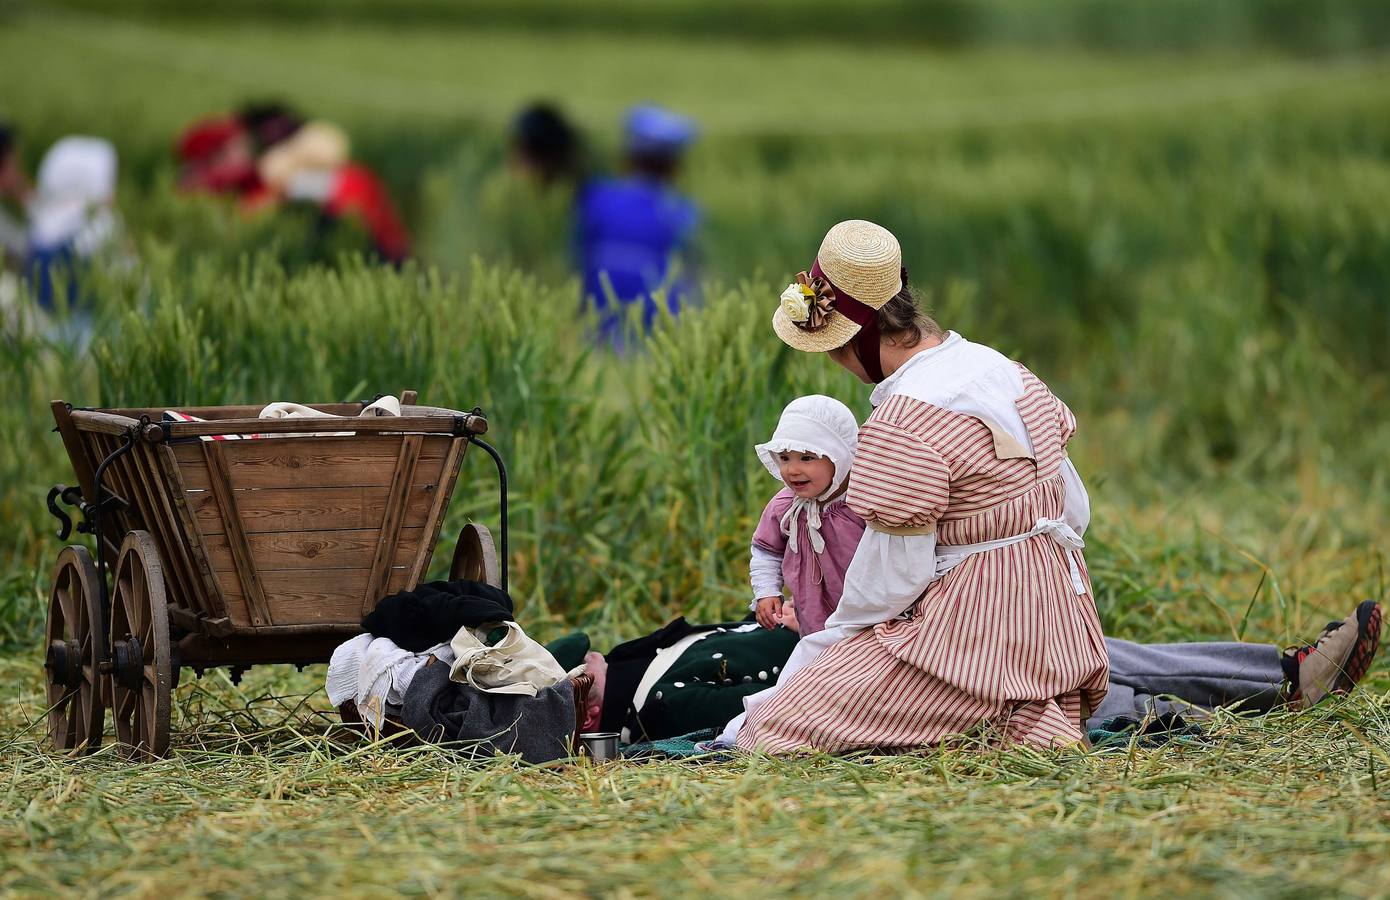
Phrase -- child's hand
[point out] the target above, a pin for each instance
(769, 610)
(787, 618)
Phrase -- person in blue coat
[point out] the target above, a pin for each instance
(634, 232)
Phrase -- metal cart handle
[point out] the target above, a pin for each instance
(502, 502)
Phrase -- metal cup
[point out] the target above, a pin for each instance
(600, 746)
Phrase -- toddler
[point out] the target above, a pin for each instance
(806, 536)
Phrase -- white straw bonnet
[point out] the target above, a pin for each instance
(315, 147)
(76, 180)
(860, 259)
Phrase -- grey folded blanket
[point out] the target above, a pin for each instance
(443, 711)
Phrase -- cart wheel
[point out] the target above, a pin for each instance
(140, 669)
(475, 556)
(76, 647)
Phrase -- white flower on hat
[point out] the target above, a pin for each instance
(795, 303)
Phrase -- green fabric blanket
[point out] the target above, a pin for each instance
(681, 747)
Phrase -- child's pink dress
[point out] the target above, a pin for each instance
(816, 579)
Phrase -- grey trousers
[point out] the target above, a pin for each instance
(1203, 675)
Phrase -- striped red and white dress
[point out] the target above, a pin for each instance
(1003, 641)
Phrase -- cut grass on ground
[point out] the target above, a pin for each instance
(266, 798)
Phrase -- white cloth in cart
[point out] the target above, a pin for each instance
(383, 406)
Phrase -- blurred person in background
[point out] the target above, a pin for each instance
(219, 155)
(14, 239)
(634, 233)
(15, 191)
(546, 147)
(72, 215)
(525, 211)
(313, 166)
(269, 123)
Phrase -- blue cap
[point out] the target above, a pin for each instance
(657, 131)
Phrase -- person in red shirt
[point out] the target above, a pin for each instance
(313, 166)
(218, 156)
(357, 194)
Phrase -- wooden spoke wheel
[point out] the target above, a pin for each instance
(475, 557)
(76, 642)
(141, 676)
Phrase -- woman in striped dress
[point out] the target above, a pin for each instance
(967, 605)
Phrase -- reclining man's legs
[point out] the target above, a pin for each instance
(1206, 674)
(1252, 677)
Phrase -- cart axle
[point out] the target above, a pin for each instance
(64, 660)
(127, 663)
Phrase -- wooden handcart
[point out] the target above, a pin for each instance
(237, 541)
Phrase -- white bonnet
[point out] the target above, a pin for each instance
(77, 166)
(76, 178)
(316, 147)
(819, 424)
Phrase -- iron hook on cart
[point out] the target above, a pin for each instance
(502, 503)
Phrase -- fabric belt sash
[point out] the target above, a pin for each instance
(950, 556)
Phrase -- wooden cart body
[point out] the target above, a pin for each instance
(260, 540)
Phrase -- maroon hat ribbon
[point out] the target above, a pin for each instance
(866, 341)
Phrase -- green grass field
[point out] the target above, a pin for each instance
(1193, 249)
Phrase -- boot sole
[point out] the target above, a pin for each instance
(1363, 653)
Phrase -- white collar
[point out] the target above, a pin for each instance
(889, 386)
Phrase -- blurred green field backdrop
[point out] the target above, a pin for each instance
(1304, 26)
(1189, 244)
(1177, 213)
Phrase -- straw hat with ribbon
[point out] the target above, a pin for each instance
(859, 269)
(317, 147)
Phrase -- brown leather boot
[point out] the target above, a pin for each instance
(1337, 660)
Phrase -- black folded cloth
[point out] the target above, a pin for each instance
(537, 728)
(434, 612)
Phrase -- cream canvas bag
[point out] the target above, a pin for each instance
(514, 665)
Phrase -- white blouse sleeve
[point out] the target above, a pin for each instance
(764, 574)
(1076, 507)
(886, 576)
